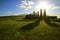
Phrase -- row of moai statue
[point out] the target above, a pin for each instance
(42, 14)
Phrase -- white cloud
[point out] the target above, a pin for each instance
(49, 7)
(9, 12)
(52, 6)
(26, 4)
(30, 3)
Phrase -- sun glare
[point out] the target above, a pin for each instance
(42, 5)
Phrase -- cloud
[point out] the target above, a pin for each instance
(52, 6)
(49, 7)
(26, 4)
(9, 12)
(29, 4)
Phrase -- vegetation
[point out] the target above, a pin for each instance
(16, 28)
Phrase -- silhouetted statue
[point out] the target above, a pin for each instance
(44, 13)
(34, 13)
(40, 13)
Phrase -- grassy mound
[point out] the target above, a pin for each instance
(22, 29)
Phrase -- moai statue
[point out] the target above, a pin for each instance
(34, 13)
(44, 13)
(40, 13)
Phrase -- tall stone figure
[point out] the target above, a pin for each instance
(40, 13)
(34, 13)
(44, 13)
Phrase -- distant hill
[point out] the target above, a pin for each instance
(20, 15)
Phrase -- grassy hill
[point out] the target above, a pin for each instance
(17, 28)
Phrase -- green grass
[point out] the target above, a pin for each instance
(12, 29)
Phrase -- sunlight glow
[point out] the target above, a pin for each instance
(42, 5)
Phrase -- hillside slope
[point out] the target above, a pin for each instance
(42, 32)
(21, 29)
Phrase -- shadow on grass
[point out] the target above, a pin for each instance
(51, 24)
(30, 26)
(25, 20)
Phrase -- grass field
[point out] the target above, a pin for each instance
(24, 29)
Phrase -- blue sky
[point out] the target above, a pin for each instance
(12, 7)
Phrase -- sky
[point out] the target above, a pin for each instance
(15, 7)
